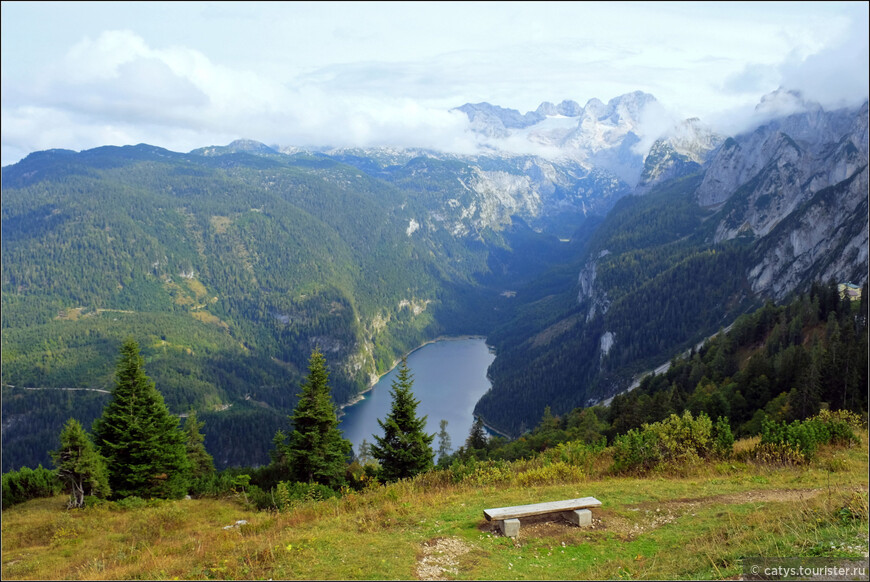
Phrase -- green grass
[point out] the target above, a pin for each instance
(695, 526)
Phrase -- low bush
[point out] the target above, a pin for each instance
(490, 473)
(558, 472)
(636, 450)
(776, 454)
(287, 494)
(677, 440)
(26, 483)
(132, 503)
(805, 437)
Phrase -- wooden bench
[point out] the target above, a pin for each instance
(508, 518)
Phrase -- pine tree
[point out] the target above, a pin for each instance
(444, 444)
(79, 465)
(477, 436)
(805, 397)
(317, 452)
(141, 441)
(365, 453)
(405, 449)
(201, 463)
(279, 453)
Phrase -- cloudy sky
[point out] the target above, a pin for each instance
(179, 75)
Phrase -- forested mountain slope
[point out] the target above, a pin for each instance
(229, 265)
(770, 212)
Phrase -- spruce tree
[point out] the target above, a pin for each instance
(201, 463)
(143, 445)
(365, 455)
(317, 452)
(79, 465)
(405, 449)
(477, 436)
(444, 444)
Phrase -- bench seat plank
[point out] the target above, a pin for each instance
(518, 511)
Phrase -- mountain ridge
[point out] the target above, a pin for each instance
(190, 243)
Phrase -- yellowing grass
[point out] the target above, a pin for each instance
(659, 527)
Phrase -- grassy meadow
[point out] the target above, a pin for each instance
(697, 522)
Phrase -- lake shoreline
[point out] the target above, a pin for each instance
(372, 383)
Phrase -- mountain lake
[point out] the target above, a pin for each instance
(449, 378)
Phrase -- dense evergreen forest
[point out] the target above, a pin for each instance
(795, 375)
(779, 364)
(663, 287)
(229, 269)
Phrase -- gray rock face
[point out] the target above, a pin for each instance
(798, 186)
(664, 163)
(495, 121)
(597, 299)
(566, 108)
(683, 151)
(598, 136)
(801, 144)
(825, 238)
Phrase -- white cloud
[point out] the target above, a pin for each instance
(185, 75)
(837, 75)
(116, 89)
(834, 75)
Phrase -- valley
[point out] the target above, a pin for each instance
(449, 378)
(229, 264)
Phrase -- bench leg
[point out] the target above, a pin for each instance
(581, 517)
(509, 527)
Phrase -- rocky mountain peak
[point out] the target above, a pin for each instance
(594, 108)
(629, 107)
(494, 121)
(566, 108)
(783, 102)
(251, 146)
(240, 145)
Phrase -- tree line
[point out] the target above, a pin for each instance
(777, 365)
(137, 448)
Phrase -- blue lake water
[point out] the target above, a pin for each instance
(449, 378)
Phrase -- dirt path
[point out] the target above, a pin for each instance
(654, 514)
(440, 557)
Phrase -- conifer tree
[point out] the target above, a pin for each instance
(279, 453)
(477, 436)
(317, 452)
(201, 463)
(405, 449)
(444, 444)
(365, 455)
(143, 445)
(79, 465)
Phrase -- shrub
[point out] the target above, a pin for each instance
(286, 494)
(777, 454)
(130, 503)
(677, 440)
(685, 439)
(263, 500)
(723, 438)
(574, 453)
(20, 486)
(636, 450)
(461, 470)
(806, 436)
(558, 472)
(489, 473)
(841, 425)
